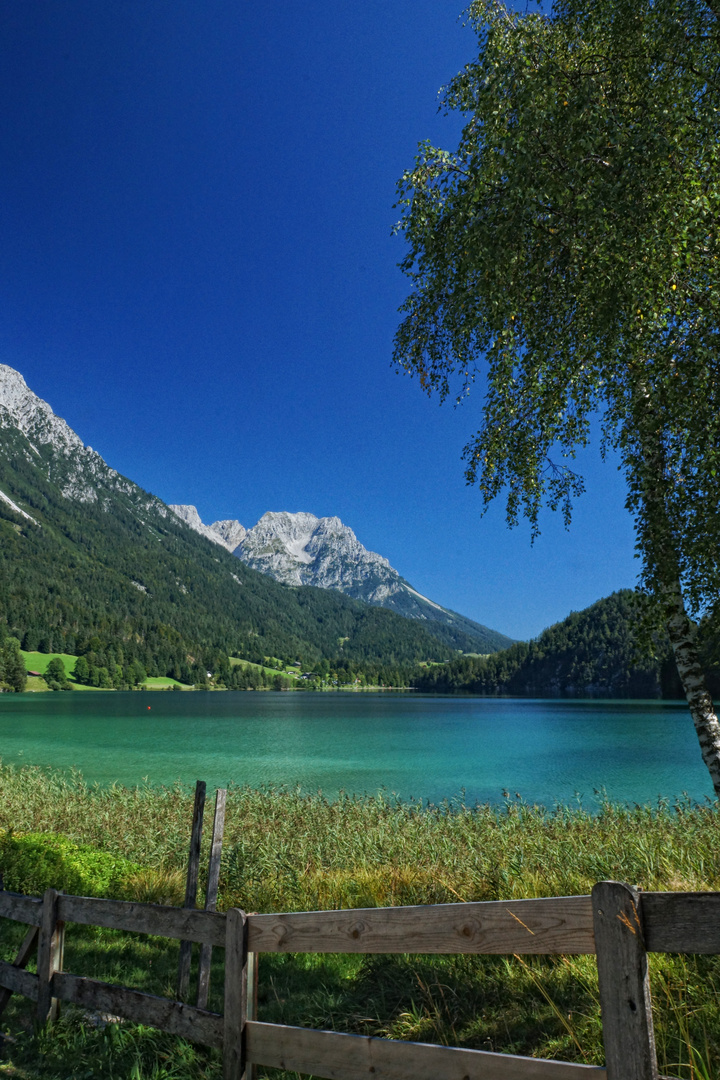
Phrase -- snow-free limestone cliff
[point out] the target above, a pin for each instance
(76, 470)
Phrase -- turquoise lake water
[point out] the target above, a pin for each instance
(419, 746)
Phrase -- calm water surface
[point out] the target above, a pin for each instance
(418, 746)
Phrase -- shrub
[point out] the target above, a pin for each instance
(56, 676)
(33, 862)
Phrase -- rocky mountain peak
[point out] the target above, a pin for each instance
(302, 549)
(229, 532)
(32, 416)
(226, 533)
(76, 468)
(284, 524)
(77, 471)
(40, 453)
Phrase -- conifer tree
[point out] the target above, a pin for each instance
(13, 675)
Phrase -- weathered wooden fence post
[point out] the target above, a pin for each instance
(251, 1011)
(211, 894)
(191, 887)
(236, 973)
(623, 983)
(50, 956)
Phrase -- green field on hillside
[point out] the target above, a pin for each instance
(37, 661)
(161, 682)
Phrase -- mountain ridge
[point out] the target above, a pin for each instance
(91, 564)
(302, 549)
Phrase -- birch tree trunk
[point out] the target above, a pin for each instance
(664, 569)
(681, 632)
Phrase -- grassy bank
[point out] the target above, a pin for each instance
(292, 678)
(285, 851)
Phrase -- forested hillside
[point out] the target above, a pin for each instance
(89, 563)
(592, 652)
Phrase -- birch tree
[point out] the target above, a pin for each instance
(564, 267)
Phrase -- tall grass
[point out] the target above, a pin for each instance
(289, 851)
(285, 850)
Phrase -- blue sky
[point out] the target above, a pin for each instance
(197, 271)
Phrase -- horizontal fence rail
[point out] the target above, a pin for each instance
(681, 922)
(18, 981)
(355, 1057)
(673, 923)
(24, 909)
(197, 1025)
(185, 924)
(553, 925)
(617, 923)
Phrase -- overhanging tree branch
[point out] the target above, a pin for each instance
(568, 252)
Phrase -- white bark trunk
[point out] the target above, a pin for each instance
(682, 638)
(661, 550)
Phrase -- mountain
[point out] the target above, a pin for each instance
(591, 653)
(91, 564)
(301, 549)
(226, 533)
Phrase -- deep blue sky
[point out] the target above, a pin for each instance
(197, 271)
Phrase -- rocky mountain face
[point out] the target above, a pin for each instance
(301, 549)
(50, 444)
(227, 533)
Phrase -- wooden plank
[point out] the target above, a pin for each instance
(681, 922)
(191, 885)
(49, 953)
(552, 925)
(355, 1057)
(156, 919)
(211, 894)
(16, 981)
(252, 997)
(236, 955)
(173, 1016)
(26, 909)
(21, 960)
(623, 983)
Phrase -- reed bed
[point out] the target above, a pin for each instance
(285, 850)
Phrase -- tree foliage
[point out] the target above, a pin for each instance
(565, 258)
(595, 652)
(13, 676)
(55, 675)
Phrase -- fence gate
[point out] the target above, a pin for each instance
(616, 923)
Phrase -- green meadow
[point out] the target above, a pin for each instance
(37, 661)
(287, 851)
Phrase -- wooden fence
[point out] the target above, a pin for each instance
(618, 924)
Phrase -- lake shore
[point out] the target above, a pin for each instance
(288, 851)
(380, 849)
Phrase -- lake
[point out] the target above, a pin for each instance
(417, 746)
